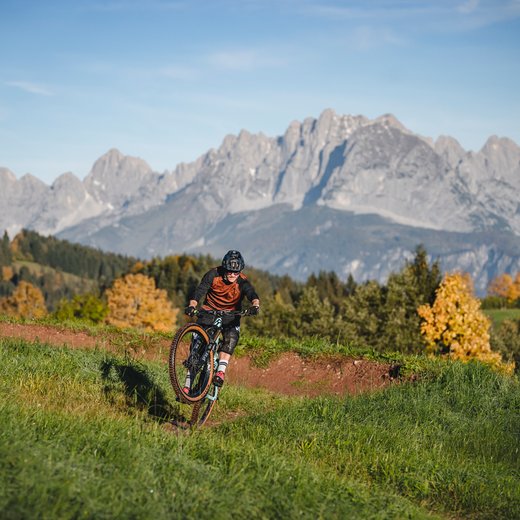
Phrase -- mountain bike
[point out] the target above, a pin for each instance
(193, 359)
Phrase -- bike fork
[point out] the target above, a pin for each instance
(213, 397)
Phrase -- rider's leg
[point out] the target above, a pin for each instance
(187, 383)
(231, 336)
(223, 362)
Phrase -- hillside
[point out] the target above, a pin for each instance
(60, 269)
(86, 433)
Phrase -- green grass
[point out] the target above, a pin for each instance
(497, 316)
(85, 435)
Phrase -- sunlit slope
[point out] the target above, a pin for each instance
(85, 434)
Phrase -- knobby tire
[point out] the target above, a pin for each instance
(179, 353)
(202, 409)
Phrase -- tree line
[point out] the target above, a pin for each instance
(401, 314)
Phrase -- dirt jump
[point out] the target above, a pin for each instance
(287, 374)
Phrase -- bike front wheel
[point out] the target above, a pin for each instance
(202, 409)
(190, 363)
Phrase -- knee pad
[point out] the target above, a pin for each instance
(230, 341)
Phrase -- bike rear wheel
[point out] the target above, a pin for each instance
(190, 363)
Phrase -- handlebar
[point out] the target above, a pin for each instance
(244, 312)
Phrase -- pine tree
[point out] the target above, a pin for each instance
(415, 285)
(316, 315)
(277, 319)
(5, 251)
(350, 285)
(426, 277)
(364, 314)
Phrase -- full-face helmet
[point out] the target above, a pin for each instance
(233, 261)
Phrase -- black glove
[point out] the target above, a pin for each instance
(253, 311)
(190, 311)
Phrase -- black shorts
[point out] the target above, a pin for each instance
(230, 330)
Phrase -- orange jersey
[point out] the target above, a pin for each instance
(219, 294)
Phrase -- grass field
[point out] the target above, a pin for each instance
(499, 315)
(85, 435)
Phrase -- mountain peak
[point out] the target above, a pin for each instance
(107, 161)
(450, 149)
(391, 120)
(30, 179)
(113, 162)
(116, 177)
(65, 179)
(113, 152)
(494, 142)
(7, 175)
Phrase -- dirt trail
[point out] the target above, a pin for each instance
(287, 374)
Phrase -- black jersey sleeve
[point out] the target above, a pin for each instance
(248, 290)
(204, 285)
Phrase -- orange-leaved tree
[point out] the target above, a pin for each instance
(27, 301)
(134, 301)
(505, 286)
(455, 325)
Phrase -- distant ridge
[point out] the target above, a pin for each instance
(296, 203)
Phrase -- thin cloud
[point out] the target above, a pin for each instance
(475, 14)
(137, 71)
(31, 88)
(179, 72)
(376, 10)
(468, 7)
(134, 5)
(367, 37)
(482, 12)
(244, 60)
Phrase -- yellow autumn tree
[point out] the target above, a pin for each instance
(455, 325)
(138, 266)
(505, 287)
(27, 301)
(516, 288)
(6, 272)
(134, 301)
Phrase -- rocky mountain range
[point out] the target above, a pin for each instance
(340, 192)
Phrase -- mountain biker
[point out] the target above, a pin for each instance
(223, 289)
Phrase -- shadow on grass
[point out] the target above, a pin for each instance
(141, 392)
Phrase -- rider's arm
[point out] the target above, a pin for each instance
(203, 287)
(250, 293)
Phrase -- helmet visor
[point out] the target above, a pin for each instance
(233, 266)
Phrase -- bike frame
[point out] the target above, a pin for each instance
(213, 332)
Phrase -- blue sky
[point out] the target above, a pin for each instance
(166, 80)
